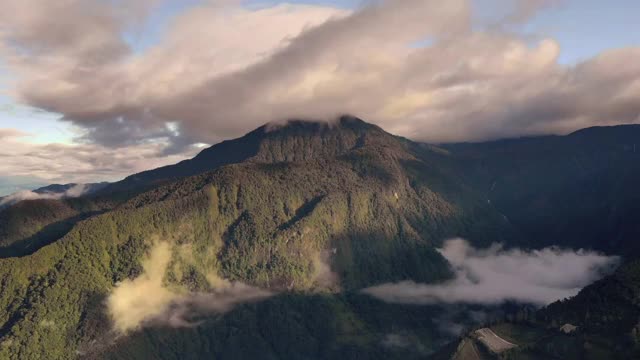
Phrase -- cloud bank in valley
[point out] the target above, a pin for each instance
(147, 300)
(495, 275)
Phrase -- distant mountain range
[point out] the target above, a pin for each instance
(53, 191)
(64, 188)
(311, 213)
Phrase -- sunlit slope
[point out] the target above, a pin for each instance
(29, 225)
(371, 212)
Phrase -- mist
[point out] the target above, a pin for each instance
(73, 192)
(494, 275)
(323, 276)
(146, 300)
(187, 310)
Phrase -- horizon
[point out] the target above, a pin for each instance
(10, 189)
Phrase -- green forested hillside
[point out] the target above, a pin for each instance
(374, 206)
(577, 190)
(29, 225)
(295, 326)
(284, 206)
(606, 317)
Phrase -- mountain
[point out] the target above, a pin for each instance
(302, 215)
(576, 191)
(29, 225)
(317, 208)
(53, 191)
(295, 140)
(82, 189)
(31, 219)
(601, 322)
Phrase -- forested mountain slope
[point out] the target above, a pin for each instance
(311, 213)
(291, 141)
(28, 225)
(578, 190)
(602, 323)
(358, 208)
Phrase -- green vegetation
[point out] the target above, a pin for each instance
(368, 209)
(605, 313)
(29, 225)
(577, 191)
(294, 326)
(282, 205)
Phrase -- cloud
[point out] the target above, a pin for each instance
(221, 69)
(526, 9)
(494, 275)
(186, 311)
(133, 301)
(6, 134)
(80, 163)
(73, 192)
(86, 32)
(323, 276)
(146, 299)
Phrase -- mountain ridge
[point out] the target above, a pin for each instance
(315, 212)
(356, 207)
(258, 145)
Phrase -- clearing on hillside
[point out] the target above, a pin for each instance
(492, 341)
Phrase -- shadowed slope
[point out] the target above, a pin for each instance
(317, 210)
(578, 190)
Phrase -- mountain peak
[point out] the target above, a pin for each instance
(286, 141)
(298, 126)
(303, 140)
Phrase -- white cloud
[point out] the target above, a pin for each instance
(187, 310)
(80, 163)
(146, 300)
(133, 301)
(73, 192)
(222, 69)
(11, 134)
(494, 275)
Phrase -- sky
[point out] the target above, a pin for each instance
(95, 90)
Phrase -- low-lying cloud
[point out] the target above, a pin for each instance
(147, 300)
(73, 192)
(133, 301)
(495, 275)
(323, 276)
(186, 310)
